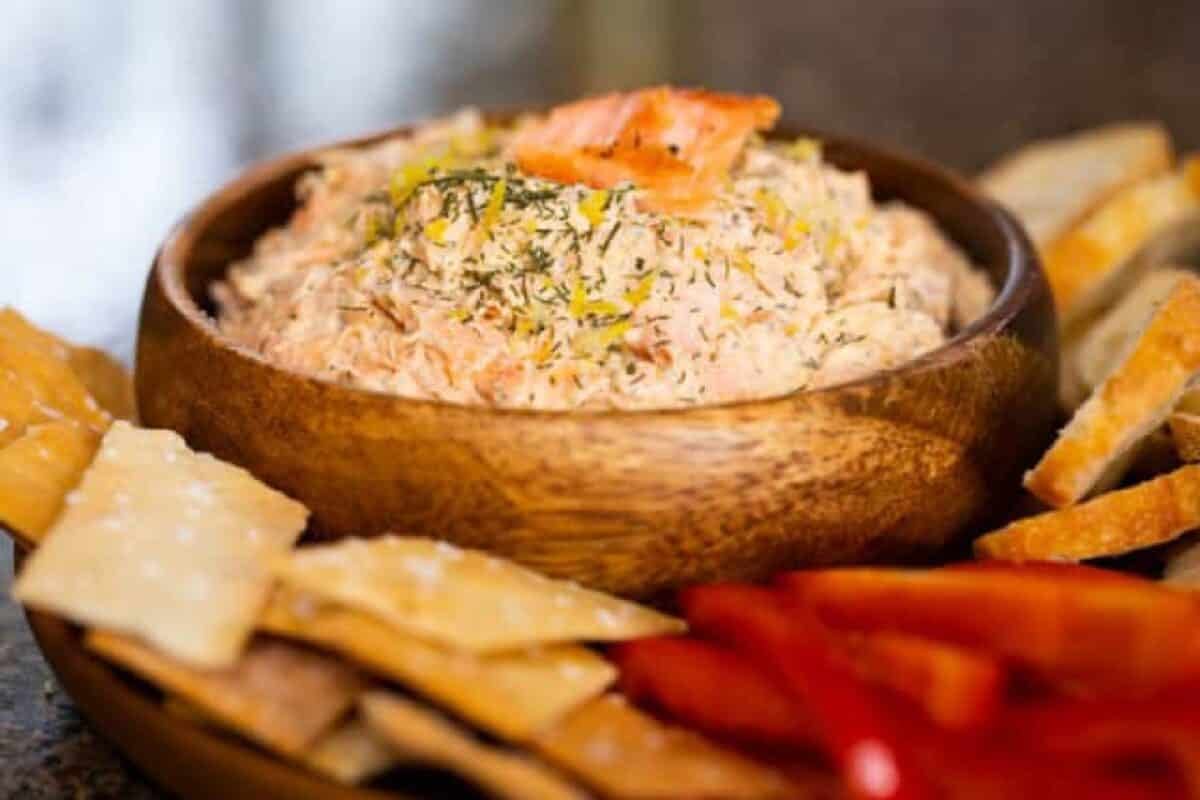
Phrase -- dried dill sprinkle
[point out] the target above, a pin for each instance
(471, 207)
(541, 260)
(608, 239)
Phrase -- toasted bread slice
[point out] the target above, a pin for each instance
(1094, 261)
(1190, 402)
(1072, 391)
(1185, 430)
(1141, 516)
(1053, 184)
(1183, 564)
(1102, 346)
(1134, 400)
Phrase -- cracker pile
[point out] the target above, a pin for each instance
(348, 659)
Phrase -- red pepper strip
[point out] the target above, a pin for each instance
(855, 729)
(1164, 728)
(957, 687)
(982, 768)
(713, 689)
(1064, 625)
(1048, 569)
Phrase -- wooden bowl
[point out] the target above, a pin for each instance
(634, 502)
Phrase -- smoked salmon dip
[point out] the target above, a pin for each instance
(646, 250)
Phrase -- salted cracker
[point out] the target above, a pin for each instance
(512, 695)
(277, 695)
(463, 598)
(420, 734)
(165, 544)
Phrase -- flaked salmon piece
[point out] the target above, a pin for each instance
(677, 144)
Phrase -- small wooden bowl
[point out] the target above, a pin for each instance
(634, 502)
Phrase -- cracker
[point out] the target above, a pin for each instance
(1133, 401)
(47, 387)
(1144, 515)
(103, 376)
(420, 734)
(625, 754)
(107, 379)
(38, 470)
(462, 598)
(352, 753)
(165, 544)
(512, 695)
(279, 696)
(17, 410)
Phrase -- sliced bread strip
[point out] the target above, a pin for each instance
(1093, 347)
(1185, 431)
(1052, 184)
(1182, 569)
(1190, 402)
(1119, 522)
(1088, 266)
(1134, 400)
(1108, 340)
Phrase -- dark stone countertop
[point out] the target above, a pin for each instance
(47, 751)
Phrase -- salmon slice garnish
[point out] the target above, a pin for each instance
(677, 144)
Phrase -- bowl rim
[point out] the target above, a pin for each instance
(1022, 280)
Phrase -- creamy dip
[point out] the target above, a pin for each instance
(430, 266)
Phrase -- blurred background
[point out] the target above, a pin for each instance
(117, 116)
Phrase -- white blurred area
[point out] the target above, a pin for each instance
(116, 116)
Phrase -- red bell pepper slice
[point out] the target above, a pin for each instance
(957, 687)
(713, 689)
(1163, 728)
(855, 729)
(985, 768)
(1066, 625)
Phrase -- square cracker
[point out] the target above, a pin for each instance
(628, 755)
(39, 387)
(351, 753)
(512, 695)
(277, 695)
(420, 734)
(38, 470)
(103, 376)
(165, 544)
(17, 407)
(463, 598)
